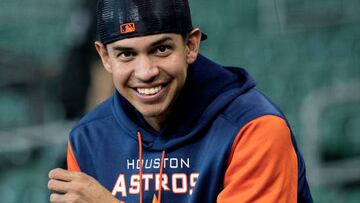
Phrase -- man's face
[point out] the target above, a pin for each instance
(149, 71)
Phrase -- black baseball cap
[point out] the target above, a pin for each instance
(121, 19)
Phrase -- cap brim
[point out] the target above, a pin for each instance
(203, 36)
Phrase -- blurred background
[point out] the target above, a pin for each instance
(304, 54)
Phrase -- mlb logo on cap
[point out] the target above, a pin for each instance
(127, 28)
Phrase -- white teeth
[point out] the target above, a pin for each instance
(149, 91)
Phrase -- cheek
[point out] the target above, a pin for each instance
(120, 76)
(181, 73)
(177, 67)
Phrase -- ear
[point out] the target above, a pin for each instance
(104, 55)
(193, 45)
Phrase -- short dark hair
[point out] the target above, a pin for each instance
(185, 36)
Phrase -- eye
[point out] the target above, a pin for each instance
(126, 55)
(162, 50)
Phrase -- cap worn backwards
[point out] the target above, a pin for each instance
(121, 19)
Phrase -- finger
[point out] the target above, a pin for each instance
(60, 174)
(54, 198)
(59, 186)
(61, 198)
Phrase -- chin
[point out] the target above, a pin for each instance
(152, 112)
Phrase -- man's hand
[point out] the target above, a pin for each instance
(67, 186)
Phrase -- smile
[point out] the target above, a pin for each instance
(149, 91)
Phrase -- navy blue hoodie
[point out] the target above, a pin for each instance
(222, 142)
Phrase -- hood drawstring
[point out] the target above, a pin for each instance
(161, 173)
(141, 170)
(141, 165)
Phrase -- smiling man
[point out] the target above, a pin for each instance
(150, 71)
(179, 128)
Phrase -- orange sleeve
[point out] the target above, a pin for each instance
(262, 164)
(71, 160)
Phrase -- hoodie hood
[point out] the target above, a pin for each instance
(208, 89)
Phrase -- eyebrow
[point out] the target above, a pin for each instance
(156, 43)
(161, 40)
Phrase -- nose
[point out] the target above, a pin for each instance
(145, 69)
